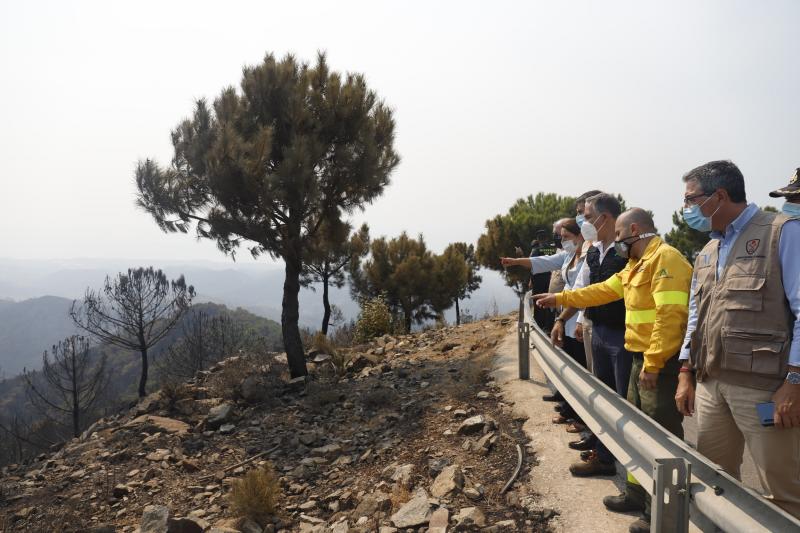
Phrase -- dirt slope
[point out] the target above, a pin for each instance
(353, 449)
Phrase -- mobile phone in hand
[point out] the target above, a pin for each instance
(766, 413)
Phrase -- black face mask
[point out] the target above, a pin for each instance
(557, 240)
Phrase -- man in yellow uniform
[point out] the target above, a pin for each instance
(655, 286)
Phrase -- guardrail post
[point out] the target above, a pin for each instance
(524, 339)
(670, 509)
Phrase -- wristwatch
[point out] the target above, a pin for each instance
(793, 378)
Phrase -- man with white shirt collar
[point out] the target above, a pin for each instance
(742, 346)
(611, 361)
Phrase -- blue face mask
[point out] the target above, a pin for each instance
(580, 219)
(695, 218)
(793, 210)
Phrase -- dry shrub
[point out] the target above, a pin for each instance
(344, 334)
(225, 383)
(307, 336)
(340, 361)
(492, 496)
(375, 320)
(400, 495)
(323, 344)
(473, 373)
(476, 369)
(256, 494)
(328, 345)
(172, 391)
(378, 398)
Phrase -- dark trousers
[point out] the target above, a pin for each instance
(658, 404)
(544, 318)
(611, 363)
(577, 351)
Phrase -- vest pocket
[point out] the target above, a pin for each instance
(744, 293)
(756, 352)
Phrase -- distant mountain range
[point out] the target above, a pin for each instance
(39, 317)
(30, 327)
(35, 296)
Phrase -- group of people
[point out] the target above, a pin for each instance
(719, 340)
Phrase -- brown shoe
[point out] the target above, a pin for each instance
(576, 427)
(559, 419)
(592, 466)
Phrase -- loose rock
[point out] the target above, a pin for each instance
(416, 512)
(219, 415)
(450, 480)
(440, 519)
(470, 516)
(155, 519)
(472, 425)
(253, 389)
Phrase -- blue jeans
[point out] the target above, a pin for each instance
(612, 365)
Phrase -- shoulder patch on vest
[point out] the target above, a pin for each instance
(662, 274)
(752, 245)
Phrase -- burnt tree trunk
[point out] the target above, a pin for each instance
(143, 378)
(76, 426)
(326, 317)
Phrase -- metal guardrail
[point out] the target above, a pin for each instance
(685, 485)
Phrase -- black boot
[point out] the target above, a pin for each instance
(554, 397)
(623, 503)
(586, 443)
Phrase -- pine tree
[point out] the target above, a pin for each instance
(517, 228)
(402, 270)
(134, 311)
(297, 146)
(450, 273)
(473, 280)
(69, 382)
(334, 249)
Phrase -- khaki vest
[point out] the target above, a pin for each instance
(744, 322)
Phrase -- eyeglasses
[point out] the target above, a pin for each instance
(687, 199)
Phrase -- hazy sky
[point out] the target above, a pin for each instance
(493, 100)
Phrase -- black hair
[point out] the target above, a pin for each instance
(719, 175)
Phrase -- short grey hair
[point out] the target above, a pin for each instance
(717, 175)
(605, 203)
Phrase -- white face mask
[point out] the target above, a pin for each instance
(569, 246)
(589, 231)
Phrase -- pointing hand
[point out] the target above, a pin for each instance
(545, 300)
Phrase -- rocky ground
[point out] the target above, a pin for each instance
(405, 434)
